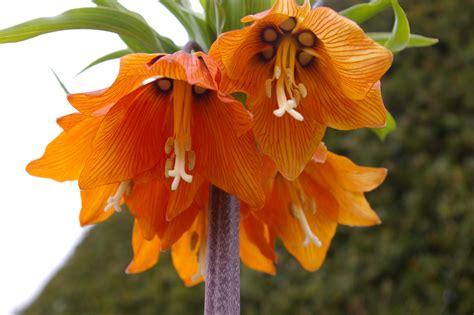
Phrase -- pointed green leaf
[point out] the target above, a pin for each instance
(111, 56)
(60, 82)
(401, 29)
(99, 18)
(391, 126)
(167, 44)
(360, 13)
(414, 41)
(194, 23)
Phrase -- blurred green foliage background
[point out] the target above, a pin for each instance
(419, 261)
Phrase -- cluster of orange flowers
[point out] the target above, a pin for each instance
(168, 127)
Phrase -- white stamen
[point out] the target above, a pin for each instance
(201, 263)
(114, 201)
(277, 72)
(309, 235)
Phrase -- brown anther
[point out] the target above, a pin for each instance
(288, 25)
(193, 241)
(191, 160)
(268, 53)
(304, 58)
(169, 145)
(164, 84)
(269, 35)
(168, 167)
(129, 190)
(199, 90)
(307, 39)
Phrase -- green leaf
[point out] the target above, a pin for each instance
(60, 82)
(194, 23)
(111, 56)
(390, 127)
(100, 18)
(168, 45)
(414, 41)
(401, 29)
(360, 13)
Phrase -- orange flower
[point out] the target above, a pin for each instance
(303, 70)
(189, 251)
(163, 118)
(304, 213)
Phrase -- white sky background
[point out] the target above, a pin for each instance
(40, 216)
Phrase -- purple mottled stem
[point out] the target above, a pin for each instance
(223, 255)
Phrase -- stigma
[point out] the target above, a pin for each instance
(310, 237)
(114, 201)
(181, 158)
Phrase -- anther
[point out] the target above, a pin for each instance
(191, 160)
(302, 90)
(268, 88)
(169, 145)
(304, 58)
(307, 39)
(269, 35)
(199, 90)
(187, 144)
(164, 84)
(193, 241)
(168, 167)
(268, 53)
(288, 25)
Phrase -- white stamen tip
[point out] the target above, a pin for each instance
(176, 180)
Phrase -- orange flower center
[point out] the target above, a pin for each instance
(178, 147)
(291, 48)
(301, 205)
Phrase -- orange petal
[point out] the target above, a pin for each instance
(126, 82)
(180, 224)
(183, 196)
(290, 143)
(145, 253)
(353, 177)
(147, 203)
(224, 157)
(94, 202)
(70, 121)
(277, 215)
(65, 156)
(356, 60)
(131, 139)
(330, 106)
(239, 53)
(354, 209)
(257, 250)
(283, 7)
(185, 252)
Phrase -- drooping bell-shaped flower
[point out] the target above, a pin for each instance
(303, 69)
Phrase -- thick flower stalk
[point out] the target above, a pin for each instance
(303, 70)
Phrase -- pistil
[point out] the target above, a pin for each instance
(115, 200)
(300, 203)
(288, 92)
(179, 146)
